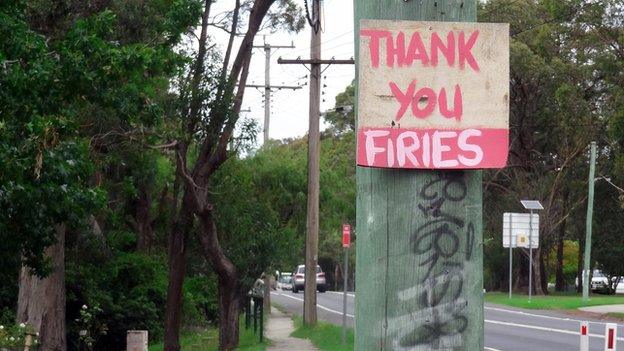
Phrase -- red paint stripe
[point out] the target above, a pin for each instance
(611, 332)
(493, 142)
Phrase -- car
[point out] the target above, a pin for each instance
(285, 283)
(599, 282)
(299, 279)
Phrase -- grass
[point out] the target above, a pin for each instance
(325, 336)
(208, 340)
(553, 301)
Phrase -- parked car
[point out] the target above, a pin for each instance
(599, 282)
(299, 279)
(285, 283)
(619, 288)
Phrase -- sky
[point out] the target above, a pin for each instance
(289, 109)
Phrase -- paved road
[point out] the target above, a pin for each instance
(506, 329)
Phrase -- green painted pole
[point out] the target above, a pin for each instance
(419, 275)
(588, 223)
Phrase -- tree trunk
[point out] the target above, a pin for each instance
(177, 270)
(229, 304)
(229, 310)
(543, 273)
(560, 278)
(41, 302)
(145, 232)
(537, 277)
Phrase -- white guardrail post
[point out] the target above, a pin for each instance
(584, 336)
(611, 337)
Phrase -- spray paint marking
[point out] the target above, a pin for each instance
(444, 243)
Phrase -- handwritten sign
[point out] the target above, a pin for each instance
(433, 95)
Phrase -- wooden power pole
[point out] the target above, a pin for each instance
(410, 294)
(267, 83)
(312, 225)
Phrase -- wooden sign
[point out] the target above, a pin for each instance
(433, 95)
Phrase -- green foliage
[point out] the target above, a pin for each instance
(607, 239)
(208, 340)
(325, 336)
(129, 289)
(201, 305)
(570, 261)
(13, 337)
(342, 119)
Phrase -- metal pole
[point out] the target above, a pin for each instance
(531, 255)
(255, 314)
(345, 278)
(588, 224)
(311, 257)
(267, 89)
(261, 307)
(510, 253)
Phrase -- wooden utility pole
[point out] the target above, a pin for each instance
(410, 294)
(588, 222)
(267, 83)
(312, 225)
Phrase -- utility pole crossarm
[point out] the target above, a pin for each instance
(267, 82)
(315, 61)
(274, 46)
(293, 87)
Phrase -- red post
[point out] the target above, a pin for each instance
(584, 336)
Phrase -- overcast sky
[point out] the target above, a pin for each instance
(289, 109)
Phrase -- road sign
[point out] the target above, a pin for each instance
(346, 235)
(519, 227)
(433, 95)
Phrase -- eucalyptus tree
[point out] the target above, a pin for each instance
(211, 95)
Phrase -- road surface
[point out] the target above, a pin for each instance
(506, 328)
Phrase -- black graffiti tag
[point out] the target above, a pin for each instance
(439, 241)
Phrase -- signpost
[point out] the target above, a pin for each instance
(431, 96)
(531, 205)
(346, 243)
(519, 230)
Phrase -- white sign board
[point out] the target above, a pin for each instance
(433, 95)
(519, 225)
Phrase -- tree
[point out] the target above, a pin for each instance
(557, 107)
(208, 120)
(65, 69)
(342, 118)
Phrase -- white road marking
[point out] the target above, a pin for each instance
(497, 309)
(317, 305)
(570, 332)
(341, 293)
(545, 329)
